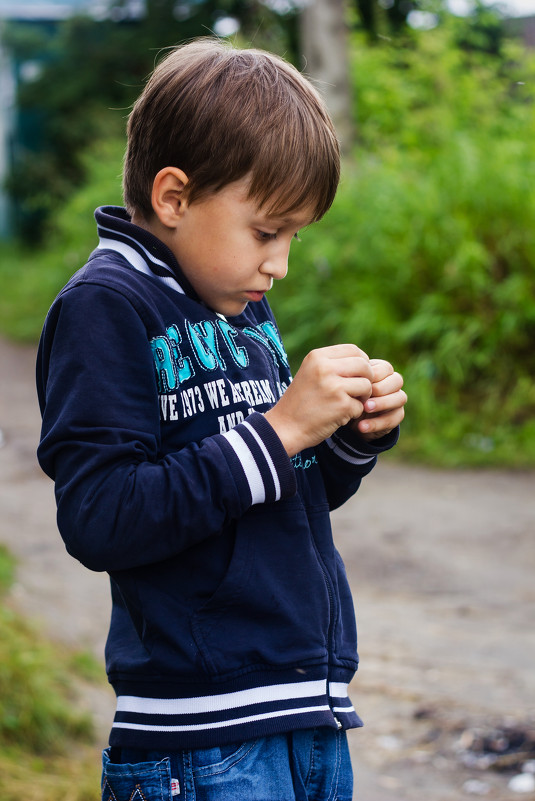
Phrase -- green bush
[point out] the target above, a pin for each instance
(427, 256)
(32, 277)
(424, 270)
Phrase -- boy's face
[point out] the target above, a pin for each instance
(231, 251)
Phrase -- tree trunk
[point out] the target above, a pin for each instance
(325, 54)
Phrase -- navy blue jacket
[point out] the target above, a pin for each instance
(232, 617)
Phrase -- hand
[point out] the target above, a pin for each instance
(330, 388)
(384, 410)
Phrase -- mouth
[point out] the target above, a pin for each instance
(255, 296)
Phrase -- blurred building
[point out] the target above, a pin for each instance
(22, 129)
(523, 27)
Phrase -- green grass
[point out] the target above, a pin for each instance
(53, 778)
(47, 749)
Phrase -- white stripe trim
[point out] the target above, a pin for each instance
(269, 460)
(137, 261)
(224, 723)
(217, 703)
(115, 242)
(337, 689)
(132, 256)
(345, 456)
(249, 466)
(345, 709)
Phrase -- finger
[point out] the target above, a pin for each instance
(381, 369)
(353, 367)
(382, 424)
(378, 405)
(359, 388)
(347, 349)
(388, 385)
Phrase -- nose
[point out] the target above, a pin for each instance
(275, 263)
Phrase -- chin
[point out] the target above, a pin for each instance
(234, 311)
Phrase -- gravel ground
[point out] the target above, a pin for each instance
(442, 568)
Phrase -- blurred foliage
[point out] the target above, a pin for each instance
(484, 30)
(31, 278)
(428, 255)
(384, 18)
(91, 73)
(45, 740)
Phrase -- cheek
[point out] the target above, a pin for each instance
(226, 271)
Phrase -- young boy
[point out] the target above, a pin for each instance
(189, 467)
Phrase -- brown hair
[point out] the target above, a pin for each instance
(219, 114)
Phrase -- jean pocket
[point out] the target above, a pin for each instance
(142, 781)
(213, 761)
(258, 770)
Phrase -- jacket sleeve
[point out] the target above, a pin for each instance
(345, 458)
(121, 503)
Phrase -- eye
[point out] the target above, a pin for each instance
(265, 236)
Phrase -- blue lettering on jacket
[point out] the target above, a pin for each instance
(240, 355)
(303, 464)
(203, 339)
(173, 368)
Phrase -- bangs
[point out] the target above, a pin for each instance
(297, 162)
(291, 183)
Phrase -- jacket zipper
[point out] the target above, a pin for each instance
(330, 632)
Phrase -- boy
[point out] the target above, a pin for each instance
(186, 464)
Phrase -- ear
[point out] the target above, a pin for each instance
(169, 195)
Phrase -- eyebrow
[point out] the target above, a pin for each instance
(293, 221)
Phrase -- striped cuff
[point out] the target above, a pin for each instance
(347, 445)
(347, 452)
(263, 462)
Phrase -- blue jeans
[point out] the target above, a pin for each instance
(308, 765)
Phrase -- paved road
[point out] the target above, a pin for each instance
(442, 565)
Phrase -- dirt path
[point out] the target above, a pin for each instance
(442, 566)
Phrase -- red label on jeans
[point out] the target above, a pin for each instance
(175, 787)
